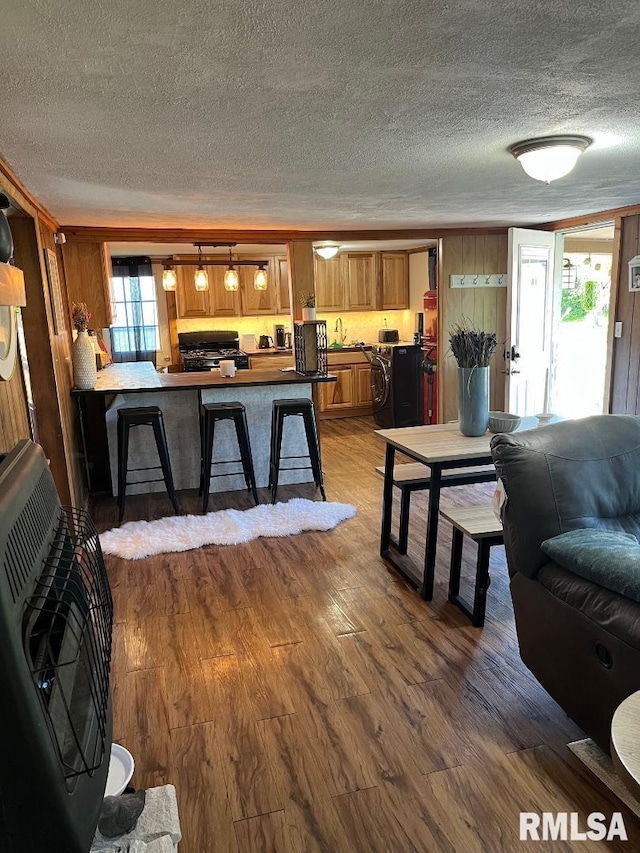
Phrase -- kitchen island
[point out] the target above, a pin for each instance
(138, 384)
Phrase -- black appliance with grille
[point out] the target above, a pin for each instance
(56, 616)
(396, 385)
(205, 350)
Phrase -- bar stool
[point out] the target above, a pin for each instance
(209, 414)
(142, 416)
(283, 409)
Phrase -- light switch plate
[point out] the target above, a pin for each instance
(617, 329)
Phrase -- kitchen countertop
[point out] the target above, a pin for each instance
(135, 377)
(283, 352)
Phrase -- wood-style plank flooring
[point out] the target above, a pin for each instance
(302, 698)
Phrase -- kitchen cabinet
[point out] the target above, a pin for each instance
(281, 276)
(394, 280)
(255, 302)
(361, 280)
(222, 303)
(274, 361)
(338, 395)
(189, 301)
(87, 270)
(362, 384)
(329, 284)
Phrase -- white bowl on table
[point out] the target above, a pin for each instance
(503, 422)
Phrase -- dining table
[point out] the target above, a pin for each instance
(438, 447)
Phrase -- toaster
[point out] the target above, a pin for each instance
(388, 336)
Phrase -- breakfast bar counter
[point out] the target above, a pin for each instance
(135, 384)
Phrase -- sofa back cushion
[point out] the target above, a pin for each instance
(569, 475)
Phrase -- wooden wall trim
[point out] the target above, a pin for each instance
(588, 218)
(109, 234)
(13, 186)
(613, 307)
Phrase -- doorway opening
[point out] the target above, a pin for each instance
(581, 321)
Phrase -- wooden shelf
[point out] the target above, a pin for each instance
(12, 290)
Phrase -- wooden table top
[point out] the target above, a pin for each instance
(475, 521)
(437, 442)
(625, 742)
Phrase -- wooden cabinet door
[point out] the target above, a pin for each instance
(361, 276)
(329, 284)
(254, 301)
(189, 301)
(362, 384)
(394, 280)
(223, 303)
(87, 270)
(338, 395)
(281, 266)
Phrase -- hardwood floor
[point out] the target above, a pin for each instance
(301, 698)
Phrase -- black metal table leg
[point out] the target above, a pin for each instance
(457, 539)
(387, 500)
(426, 591)
(482, 582)
(405, 508)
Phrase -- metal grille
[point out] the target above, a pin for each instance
(310, 344)
(28, 534)
(67, 629)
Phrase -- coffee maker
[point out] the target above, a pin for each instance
(279, 336)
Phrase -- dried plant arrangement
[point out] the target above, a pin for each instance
(470, 346)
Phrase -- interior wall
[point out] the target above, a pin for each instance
(418, 280)
(625, 397)
(484, 308)
(14, 417)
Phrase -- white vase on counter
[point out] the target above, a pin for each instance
(308, 313)
(83, 358)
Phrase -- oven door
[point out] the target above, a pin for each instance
(380, 382)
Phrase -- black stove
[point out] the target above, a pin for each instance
(204, 350)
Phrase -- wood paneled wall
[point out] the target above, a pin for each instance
(626, 352)
(14, 418)
(485, 308)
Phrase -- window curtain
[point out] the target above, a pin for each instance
(134, 334)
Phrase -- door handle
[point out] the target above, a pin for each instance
(510, 372)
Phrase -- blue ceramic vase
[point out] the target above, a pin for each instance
(473, 400)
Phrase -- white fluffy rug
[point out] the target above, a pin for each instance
(138, 539)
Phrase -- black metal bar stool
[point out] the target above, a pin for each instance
(142, 416)
(209, 414)
(283, 409)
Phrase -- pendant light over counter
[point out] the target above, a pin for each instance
(201, 277)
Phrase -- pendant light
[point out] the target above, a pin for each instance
(260, 278)
(169, 278)
(550, 157)
(201, 279)
(231, 280)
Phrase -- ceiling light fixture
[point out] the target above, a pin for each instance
(260, 278)
(231, 279)
(550, 157)
(326, 252)
(169, 278)
(201, 279)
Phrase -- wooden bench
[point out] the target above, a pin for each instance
(414, 477)
(481, 524)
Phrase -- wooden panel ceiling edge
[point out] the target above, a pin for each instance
(86, 233)
(13, 186)
(588, 218)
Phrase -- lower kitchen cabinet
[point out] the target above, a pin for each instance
(350, 396)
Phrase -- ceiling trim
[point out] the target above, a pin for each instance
(589, 218)
(93, 234)
(13, 186)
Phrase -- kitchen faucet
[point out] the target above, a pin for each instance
(343, 332)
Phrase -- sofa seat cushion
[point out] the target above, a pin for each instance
(609, 558)
(613, 612)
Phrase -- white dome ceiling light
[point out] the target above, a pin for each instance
(550, 157)
(326, 252)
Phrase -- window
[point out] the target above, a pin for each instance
(134, 333)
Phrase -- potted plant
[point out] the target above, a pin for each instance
(308, 306)
(83, 355)
(472, 349)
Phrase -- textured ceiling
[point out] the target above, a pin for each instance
(317, 114)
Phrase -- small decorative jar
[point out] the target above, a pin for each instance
(83, 357)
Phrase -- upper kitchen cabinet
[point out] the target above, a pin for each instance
(394, 274)
(223, 303)
(361, 278)
(87, 269)
(329, 287)
(281, 275)
(189, 301)
(254, 301)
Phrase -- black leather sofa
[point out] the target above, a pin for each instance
(580, 640)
